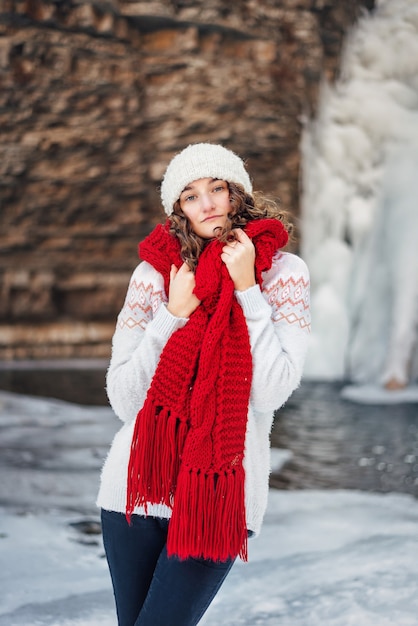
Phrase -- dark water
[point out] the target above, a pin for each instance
(335, 443)
(80, 382)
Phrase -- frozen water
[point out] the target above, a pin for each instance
(326, 558)
(359, 217)
(375, 394)
(329, 558)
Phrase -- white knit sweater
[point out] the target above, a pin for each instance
(278, 321)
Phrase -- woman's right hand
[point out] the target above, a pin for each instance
(181, 299)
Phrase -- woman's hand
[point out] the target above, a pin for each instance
(239, 258)
(181, 299)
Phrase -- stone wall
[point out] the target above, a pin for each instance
(95, 98)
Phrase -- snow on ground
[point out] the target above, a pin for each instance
(329, 558)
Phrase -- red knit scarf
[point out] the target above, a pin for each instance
(188, 443)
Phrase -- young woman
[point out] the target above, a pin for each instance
(210, 341)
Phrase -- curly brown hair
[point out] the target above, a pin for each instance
(245, 207)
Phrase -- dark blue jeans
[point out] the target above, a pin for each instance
(150, 588)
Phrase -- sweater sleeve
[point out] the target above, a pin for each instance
(278, 320)
(143, 328)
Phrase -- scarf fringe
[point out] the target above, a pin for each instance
(208, 520)
(158, 440)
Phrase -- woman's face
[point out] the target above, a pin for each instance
(206, 204)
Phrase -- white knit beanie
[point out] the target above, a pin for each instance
(201, 160)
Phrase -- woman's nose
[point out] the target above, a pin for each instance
(206, 202)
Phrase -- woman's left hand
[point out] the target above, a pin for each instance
(239, 258)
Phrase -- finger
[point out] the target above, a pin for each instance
(184, 268)
(173, 272)
(241, 235)
(232, 241)
(227, 249)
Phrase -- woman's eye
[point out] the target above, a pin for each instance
(188, 198)
(219, 188)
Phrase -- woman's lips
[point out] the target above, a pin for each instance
(212, 217)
